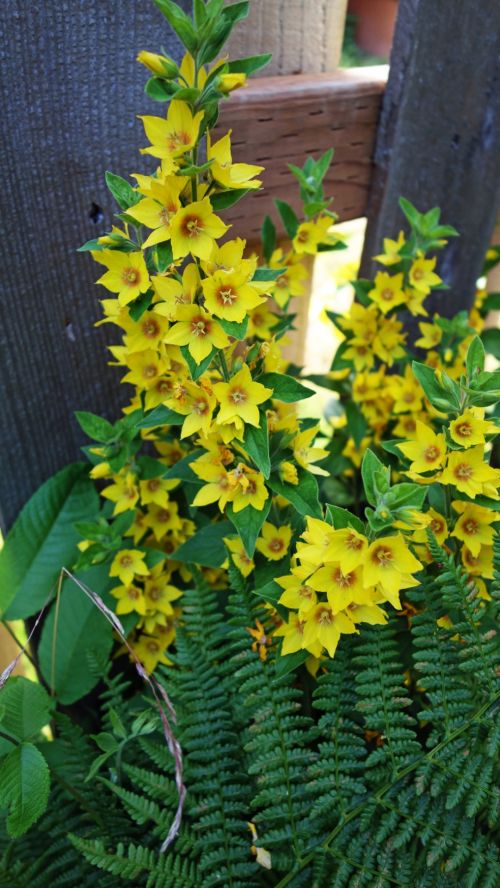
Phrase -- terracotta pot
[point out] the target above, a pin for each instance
(375, 24)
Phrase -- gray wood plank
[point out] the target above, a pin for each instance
(439, 135)
(70, 90)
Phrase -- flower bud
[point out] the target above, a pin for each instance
(229, 82)
(158, 64)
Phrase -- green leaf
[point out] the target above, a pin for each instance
(164, 256)
(268, 274)
(356, 423)
(195, 369)
(24, 787)
(288, 217)
(95, 427)
(122, 192)
(180, 22)
(290, 662)
(443, 399)
(43, 540)
(268, 237)
(181, 469)
(237, 331)
(206, 547)
(304, 495)
(341, 518)
(322, 165)
(250, 64)
(411, 212)
(475, 358)
(140, 305)
(491, 303)
(376, 476)
(81, 632)
(256, 444)
(160, 416)
(491, 342)
(285, 388)
(225, 199)
(26, 708)
(160, 90)
(248, 523)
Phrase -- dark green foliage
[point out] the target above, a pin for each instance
(382, 773)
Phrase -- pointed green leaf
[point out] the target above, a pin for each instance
(24, 787)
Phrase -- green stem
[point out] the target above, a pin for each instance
(223, 365)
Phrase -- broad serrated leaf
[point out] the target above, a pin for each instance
(26, 708)
(43, 540)
(24, 787)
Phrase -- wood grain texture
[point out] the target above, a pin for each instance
(70, 90)
(439, 137)
(304, 36)
(280, 120)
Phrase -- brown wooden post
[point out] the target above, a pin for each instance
(439, 135)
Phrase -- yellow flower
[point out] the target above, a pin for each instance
(127, 564)
(220, 487)
(229, 295)
(367, 613)
(348, 547)
(174, 293)
(298, 594)
(391, 254)
(155, 490)
(158, 64)
(305, 454)
(239, 398)
(127, 274)
(261, 640)
(159, 594)
(274, 541)
(157, 210)
(342, 587)
(230, 82)
(480, 565)
(288, 473)
(436, 523)
(431, 336)
(225, 172)
(422, 276)
(389, 565)
(130, 599)
(473, 526)
(470, 474)
(162, 519)
(194, 228)
(406, 392)
(388, 291)
(171, 138)
(146, 368)
(250, 490)
(292, 634)
(239, 556)
(470, 427)
(325, 627)
(311, 234)
(415, 302)
(198, 330)
(150, 650)
(123, 492)
(427, 453)
(389, 340)
(146, 333)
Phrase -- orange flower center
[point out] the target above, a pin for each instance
(437, 526)
(432, 453)
(150, 328)
(463, 471)
(126, 561)
(387, 295)
(200, 327)
(200, 407)
(471, 527)
(154, 484)
(133, 593)
(343, 580)
(238, 396)
(153, 647)
(463, 430)
(192, 226)
(155, 593)
(352, 542)
(305, 592)
(163, 516)
(282, 282)
(226, 295)
(149, 371)
(324, 616)
(131, 276)
(276, 545)
(382, 556)
(177, 140)
(417, 274)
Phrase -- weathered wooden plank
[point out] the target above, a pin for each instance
(305, 36)
(439, 137)
(280, 120)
